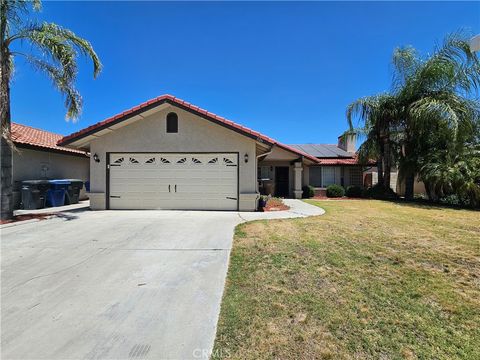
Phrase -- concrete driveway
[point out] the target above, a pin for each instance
(118, 284)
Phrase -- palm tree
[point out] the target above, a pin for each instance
(436, 94)
(433, 100)
(54, 51)
(378, 115)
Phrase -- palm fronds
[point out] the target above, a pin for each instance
(53, 51)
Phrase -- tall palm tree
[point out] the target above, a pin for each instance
(439, 93)
(378, 115)
(53, 51)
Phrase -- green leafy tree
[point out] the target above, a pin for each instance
(378, 116)
(53, 51)
(429, 122)
(439, 104)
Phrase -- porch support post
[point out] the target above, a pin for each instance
(297, 180)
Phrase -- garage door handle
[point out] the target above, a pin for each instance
(175, 187)
(168, 188)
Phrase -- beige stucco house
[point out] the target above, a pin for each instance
(169, 154)
(37, 156)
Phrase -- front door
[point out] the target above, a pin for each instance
(282, 187)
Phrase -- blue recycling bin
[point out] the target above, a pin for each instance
(56, 193)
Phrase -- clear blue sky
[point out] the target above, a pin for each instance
(285, 69)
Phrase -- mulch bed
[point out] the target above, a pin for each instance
(275, 205)
(26, 217)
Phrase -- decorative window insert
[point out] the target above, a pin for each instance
(356, 176)
(196, 161)
(182, 161)
(133, 160)
(172, 123)
(263, 172)
(213, 161)
(119, 160)
(164, 161)
(227, 161)
(150, 161)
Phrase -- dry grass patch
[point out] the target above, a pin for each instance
(369, 279)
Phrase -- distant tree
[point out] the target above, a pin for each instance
(53, 51)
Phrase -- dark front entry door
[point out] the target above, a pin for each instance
(281, 181)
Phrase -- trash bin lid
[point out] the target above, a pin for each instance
(60, 181)
(35, 182)
(73, 181)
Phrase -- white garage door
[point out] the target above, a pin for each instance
(173, 181)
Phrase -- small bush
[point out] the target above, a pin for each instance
(335, 191)
(455, 200)
(308, 191)
(378, 191)
(354, 191)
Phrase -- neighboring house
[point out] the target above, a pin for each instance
(37, 156)
(396, 183)
(169, 154)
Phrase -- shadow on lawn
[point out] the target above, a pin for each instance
(427, 205)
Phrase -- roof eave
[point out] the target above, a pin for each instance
(96, 128)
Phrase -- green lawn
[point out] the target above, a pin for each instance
(368, 279)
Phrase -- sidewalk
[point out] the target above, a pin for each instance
(84, 204)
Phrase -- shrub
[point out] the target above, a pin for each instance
(308, 191)
(456, 200)
(354, 191)
(335, 191)
(452, 199)
(378, 191)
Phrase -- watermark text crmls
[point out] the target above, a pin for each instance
(207, 354)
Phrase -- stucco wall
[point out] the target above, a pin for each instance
(195, 134)
(34, 165)
(396, 184)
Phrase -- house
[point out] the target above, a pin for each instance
(37, 156)
(169, 154)
(337, 164)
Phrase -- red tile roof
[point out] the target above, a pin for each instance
(338, 161)
(189, 107)
(26, 135)
(343, 161)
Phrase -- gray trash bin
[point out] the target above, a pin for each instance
(73, 191)
(34, 194)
